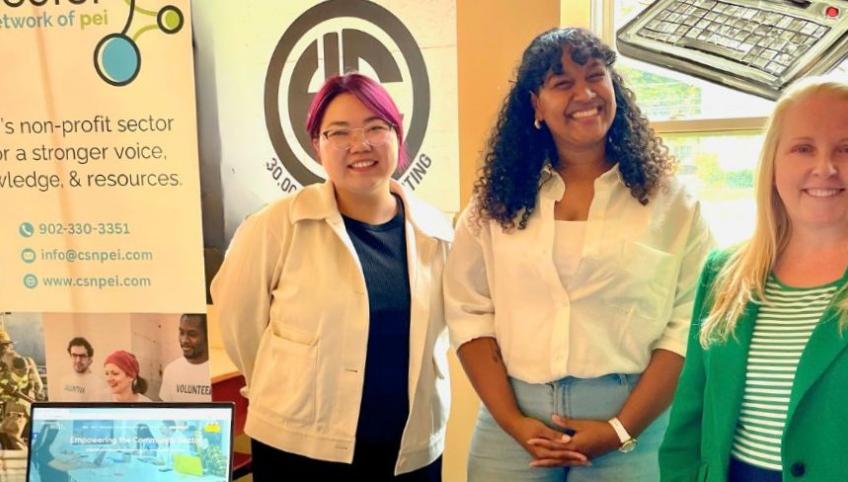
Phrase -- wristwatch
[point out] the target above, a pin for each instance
(628, 443)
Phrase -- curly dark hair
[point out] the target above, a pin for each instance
(509, 181)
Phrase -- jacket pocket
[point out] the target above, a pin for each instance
(294, 334)
(285, 381)
(703, 473)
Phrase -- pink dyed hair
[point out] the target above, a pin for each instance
(369, 92)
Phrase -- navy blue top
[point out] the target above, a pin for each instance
(385, 401)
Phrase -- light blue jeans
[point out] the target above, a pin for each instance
(497, 457)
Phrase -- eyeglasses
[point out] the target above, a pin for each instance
(343, 138)
(81, 357)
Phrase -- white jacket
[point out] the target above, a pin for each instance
(293, 309)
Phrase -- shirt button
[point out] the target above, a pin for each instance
(798, 469)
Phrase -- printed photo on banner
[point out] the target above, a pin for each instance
(259, 149)
(22, 375)
(98, 156)
(128, 357)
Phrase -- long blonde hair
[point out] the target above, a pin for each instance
(743, 277)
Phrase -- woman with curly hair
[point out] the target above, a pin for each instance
(571, 280)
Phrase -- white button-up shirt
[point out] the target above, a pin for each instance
(632, 291)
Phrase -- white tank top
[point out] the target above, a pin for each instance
(568, 246)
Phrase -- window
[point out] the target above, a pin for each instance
(719, 168)
(714, 131)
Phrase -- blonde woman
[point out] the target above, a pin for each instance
(762, 393)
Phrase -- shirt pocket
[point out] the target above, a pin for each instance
(646, 281)
(285, 377)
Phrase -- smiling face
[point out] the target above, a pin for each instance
(811, 163)
(117, 380)
(193, 338)
(578, 105)
(363, 168)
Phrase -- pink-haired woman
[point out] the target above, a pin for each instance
(330, 303)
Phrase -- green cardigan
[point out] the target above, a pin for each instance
(706, 406)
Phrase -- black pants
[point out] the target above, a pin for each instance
(370, 464)
(742, 472)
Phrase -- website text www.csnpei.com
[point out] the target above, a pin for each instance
(98, 282)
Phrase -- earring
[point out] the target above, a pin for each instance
(537, 124)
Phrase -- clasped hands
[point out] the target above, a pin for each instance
(576, 444)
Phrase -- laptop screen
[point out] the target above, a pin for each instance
(148, 442)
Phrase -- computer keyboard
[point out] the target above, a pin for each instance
(754, 46)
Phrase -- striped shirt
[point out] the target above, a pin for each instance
(783, 327)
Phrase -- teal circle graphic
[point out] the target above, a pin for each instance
(117, 59)
(30, 281)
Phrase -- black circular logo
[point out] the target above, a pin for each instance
(342, 52)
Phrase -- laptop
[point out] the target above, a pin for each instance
(131, 442)
(756, 46)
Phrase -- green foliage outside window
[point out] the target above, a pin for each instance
(661, 97)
